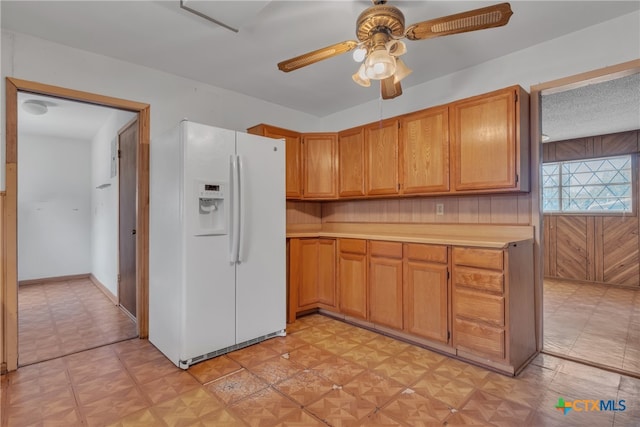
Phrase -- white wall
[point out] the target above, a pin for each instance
(104, 203)
(609, 43)
(172, 98)
(54, 202)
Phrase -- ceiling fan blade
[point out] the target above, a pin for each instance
(316, 56)
(472, 20)
(389, 89)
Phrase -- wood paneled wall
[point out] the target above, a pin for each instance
(594, 248)
(497, 209)
(304, 212)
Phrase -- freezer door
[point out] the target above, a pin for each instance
(208, 313)
(260, 274)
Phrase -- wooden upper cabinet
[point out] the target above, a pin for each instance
(424, 151)
(293, 148)
(351, 163)
(381, 149)
(489, 143)
(320, 165)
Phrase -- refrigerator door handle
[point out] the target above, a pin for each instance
(243, 207)
(235, 201)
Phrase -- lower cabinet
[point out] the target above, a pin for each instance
(352, 277)
(312, 273)
(492, 304)
(476, 303)
(385, 283)
(426, 291)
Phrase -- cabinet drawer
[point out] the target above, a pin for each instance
(474, 257)
(429, 253)
(353, 246)
(385, 249)
(479, 339)
(479, 306)
(484, 280)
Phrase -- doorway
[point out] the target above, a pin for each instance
(9, 291)
(588, 264)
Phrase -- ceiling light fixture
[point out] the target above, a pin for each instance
(35, 107)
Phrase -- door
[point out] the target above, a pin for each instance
(425, 293)
(351, 164)
(127, 166)
(320, 171)
(260, 275)
(385, 283)
(327, 272)
(208, 307)
(381, 144)
(424, 153)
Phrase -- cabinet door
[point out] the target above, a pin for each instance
(425, 296)
(381, 144)
(293, 147)
(385, 284)
(351, 164)
(308, 272)
(352, 278)
(327, 272)
(320, 172)
(424, 151)
(483, 133)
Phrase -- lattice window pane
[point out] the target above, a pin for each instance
(593, 185)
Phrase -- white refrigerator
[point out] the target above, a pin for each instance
(217, 261)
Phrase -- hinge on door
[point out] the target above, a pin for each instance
(516, 96)
(398, 186)
(118, 278)
(119, 154)
(398, 125)
(517, 178)
(448, 275)
(448, 335)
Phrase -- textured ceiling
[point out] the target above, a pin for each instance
(595, 109)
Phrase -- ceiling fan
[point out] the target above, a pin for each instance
(380, 30)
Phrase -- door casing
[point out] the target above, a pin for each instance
(9, 229)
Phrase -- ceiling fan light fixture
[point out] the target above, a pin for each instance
(396, 47)
(360, 54)
(361, 78)
(380, 65)
(402, 70)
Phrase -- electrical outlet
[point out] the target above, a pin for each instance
(439, 209)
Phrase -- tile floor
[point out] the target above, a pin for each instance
(324, 372)
(592, 322)
(59, 318)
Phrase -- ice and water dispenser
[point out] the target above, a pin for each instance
(212, 211)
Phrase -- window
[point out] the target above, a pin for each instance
(588, 186)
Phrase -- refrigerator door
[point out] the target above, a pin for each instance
(260, 274)
(208, 312)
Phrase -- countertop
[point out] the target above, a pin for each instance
(474, 235)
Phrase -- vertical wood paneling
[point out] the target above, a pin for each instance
(599, 250)
(549, 248)
(590, 248)
(304, 213)
(468, 210)
(484, 209)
